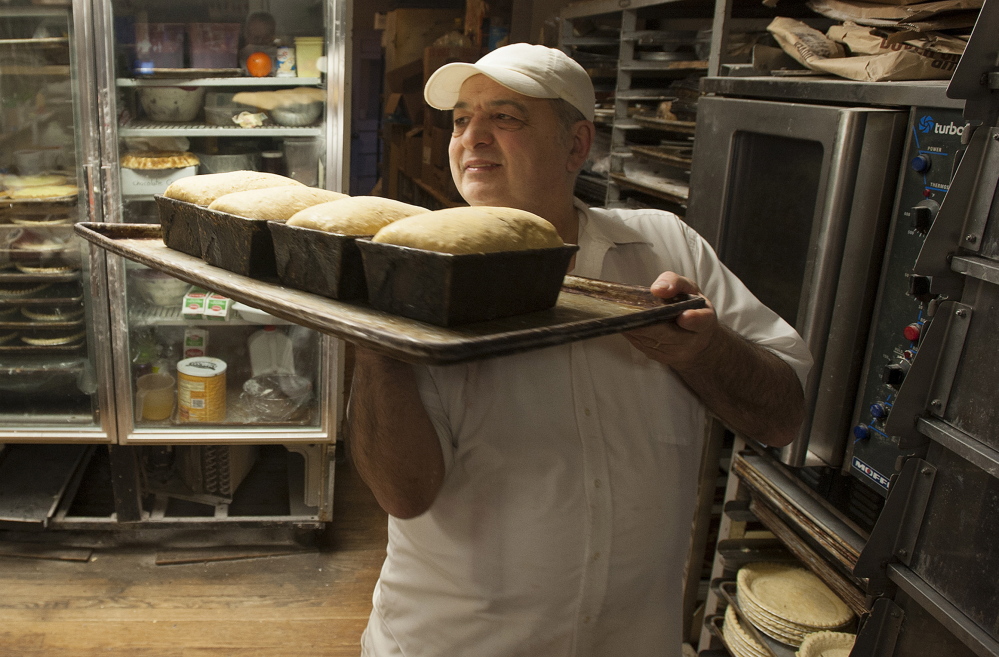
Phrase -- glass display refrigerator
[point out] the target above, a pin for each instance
(193, 392)
(55, 358)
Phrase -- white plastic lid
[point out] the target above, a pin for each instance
(202, 366)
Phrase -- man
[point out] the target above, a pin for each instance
(541, 503)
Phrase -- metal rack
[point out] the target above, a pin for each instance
(648, 158)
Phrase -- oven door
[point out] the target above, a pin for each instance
(796, 199)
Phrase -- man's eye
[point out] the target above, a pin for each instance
(508, 122)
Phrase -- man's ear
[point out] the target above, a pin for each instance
(581, 140)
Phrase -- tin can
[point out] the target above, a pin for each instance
(286, 62)
(201, 389)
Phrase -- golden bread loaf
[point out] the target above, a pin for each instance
(480, 229)
(355, 215)
(273, 203)
(203, 189)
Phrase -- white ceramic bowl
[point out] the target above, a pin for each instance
(158, 288)
(300, 114)
(171, 103)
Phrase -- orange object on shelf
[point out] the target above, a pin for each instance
(259, 64)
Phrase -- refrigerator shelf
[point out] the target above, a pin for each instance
(148, 315)
(145, 128)
(217, 82)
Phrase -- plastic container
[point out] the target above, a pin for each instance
(147, 182)
(158, 45)
(201, 389)
(308, 50)
(301, 156)
(214, 45)
(271, 352)
(220, 108)
(285, 64)
(225, 162)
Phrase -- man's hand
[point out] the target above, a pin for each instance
(681, 342)
(749, 388)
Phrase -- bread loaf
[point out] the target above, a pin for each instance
(480, 229)
(273, 203)
(355, 215)
(203, 189)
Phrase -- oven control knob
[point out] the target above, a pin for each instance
(894, 374)
(879, 410)
(913, 331)
(861, 432)
(921, 163)
(923, 214)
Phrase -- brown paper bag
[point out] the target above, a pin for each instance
(873, 58)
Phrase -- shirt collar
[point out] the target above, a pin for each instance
(599, 232)
(605, 227)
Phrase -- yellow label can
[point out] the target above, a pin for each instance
(201, 389)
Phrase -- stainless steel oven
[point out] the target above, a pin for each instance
(796, 198)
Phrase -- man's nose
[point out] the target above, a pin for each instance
(478, 132)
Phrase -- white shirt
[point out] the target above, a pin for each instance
(564, 518)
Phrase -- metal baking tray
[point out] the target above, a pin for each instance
(585, 309)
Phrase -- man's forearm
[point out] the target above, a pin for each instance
(753, 391)
(392, 442)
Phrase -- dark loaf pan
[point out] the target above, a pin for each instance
(319, 262)
(179, 221)
(446, 290)
(237, 244)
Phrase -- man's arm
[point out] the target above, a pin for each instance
(392, 442)
(752, 390)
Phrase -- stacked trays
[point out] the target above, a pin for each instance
(789, 603)
(41, 300)
(740, 642)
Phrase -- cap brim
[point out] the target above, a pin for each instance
(444, 86)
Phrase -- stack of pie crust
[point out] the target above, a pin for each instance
(827, 644)
(740, 642)
(154, 160)
(788, 603)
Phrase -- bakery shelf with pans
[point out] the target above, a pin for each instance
(60, 294)
(40, 277)
(21, 349)
(672, 191)
(145, 128)
(676, 157)
(199, 79)
(32, 325)
(585, 308)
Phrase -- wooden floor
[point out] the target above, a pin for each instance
(120, 602)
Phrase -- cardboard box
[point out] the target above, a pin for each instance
(217, 307)
(406, 108)
(435, 145)
(436, 56)
(406, 79)
(409, 31)
(393, 137)
(194, 303)
(412, 152)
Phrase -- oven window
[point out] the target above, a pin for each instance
(774, 187)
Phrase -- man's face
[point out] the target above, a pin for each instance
(505, 149)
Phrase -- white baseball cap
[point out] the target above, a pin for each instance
(536, 71)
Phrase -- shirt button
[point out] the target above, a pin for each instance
(586, 412)
(596, 556)
(596, 483)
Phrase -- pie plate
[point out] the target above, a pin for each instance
(793, 594)
(738, 639)
(827, 644)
